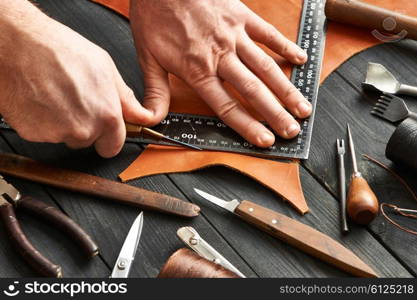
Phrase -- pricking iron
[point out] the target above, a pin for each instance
(193, 240)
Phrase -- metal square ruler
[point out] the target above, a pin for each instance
(212, 134)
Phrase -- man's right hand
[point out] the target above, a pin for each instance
(58, 87)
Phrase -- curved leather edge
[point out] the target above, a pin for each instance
(281, 177)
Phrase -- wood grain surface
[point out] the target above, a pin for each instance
(384, 248)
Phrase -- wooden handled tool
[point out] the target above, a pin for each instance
(26, 168)
(362, 204)
(364, 15)
(297, 234)
(133, 130)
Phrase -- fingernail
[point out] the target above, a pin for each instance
(303, 109)
(267, 138)
(302, 55)
(292, 130)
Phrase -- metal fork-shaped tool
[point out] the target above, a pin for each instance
(392, 108)
(340, 144)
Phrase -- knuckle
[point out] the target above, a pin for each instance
(80, 134)
(111, 119)
(203, 81)
(290, 91)
(227, 109)
(250, 88)
(252, 130)
(280, 117)
(285, 47)
(266, 64)
(270, 34)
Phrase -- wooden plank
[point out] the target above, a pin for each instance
(342, 101)
(270, 257)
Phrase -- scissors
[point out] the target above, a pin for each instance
(130, 246)
(10, 200)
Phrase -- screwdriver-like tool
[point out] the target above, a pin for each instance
(340, 145)
(133, 130)
(362, 204)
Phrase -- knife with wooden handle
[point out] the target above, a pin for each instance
(27, 168)
(297, 234)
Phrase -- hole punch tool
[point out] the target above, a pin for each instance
(392, 109)
(380, 79)
(10, 200)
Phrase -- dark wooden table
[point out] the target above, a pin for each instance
(391, 252)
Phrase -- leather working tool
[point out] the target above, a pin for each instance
(128, 252)
(342, 42)
(133, 130)
(295, 233)
(10, 200)
(340, 145)
(27, 168)
(193, 240)
(380, 79)
(392, 109)
(361, 14)
(362, 204)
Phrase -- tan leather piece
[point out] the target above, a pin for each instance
(341, 43)
(282, 178)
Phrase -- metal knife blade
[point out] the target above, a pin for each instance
(229, 205)
(128, 251)
(297, 234)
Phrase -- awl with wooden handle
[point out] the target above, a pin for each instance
(27, 168)
(362, 204)
(296, 234)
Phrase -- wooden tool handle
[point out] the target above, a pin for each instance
(24, 247)
(61, 221)
(304, 238)
(362, 204)
(364, 15)
(133, 130)
(26, 168)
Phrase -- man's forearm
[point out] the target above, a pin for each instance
(17, 17)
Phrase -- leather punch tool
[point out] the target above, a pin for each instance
(10, 200)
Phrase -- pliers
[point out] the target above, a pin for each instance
(11, 199)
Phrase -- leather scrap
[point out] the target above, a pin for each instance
(342, 42)
(278, 176)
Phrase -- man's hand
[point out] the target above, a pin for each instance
(56, 86)
(206, 42)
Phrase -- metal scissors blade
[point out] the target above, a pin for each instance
(128, 252)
